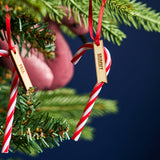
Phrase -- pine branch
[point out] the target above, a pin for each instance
(79, 9)
(136, 13)
(126, 11)
(27, 31)
(110, 31)
(31, 132)
(39, 132)
(62, 102)
(67, 104)
(53, 10)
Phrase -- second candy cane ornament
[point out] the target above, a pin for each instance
(103, 64)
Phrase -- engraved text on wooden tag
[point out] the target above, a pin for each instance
(23, 75)
(100, 62)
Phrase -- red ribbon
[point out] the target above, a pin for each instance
(8, 28)
(98, 34)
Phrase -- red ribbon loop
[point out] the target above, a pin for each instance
(90, 20)
(8, 28)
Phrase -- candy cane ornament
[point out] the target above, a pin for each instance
(96, 90)
(18, 67)
(103, 64)
(10, 112)
(11, 106)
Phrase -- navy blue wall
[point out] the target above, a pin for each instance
(134, 81)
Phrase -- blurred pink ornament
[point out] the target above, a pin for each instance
(50, 74)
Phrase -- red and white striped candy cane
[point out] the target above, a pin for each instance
(11, 107)
(96, 90)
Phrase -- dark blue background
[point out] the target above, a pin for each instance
(134, 81)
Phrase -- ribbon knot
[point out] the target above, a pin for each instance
(97, 41)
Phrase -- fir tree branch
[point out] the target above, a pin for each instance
(110, 31)
(67, 104)
(31, 132)
(136, 13)
(58, 12)
(30, 118)
(126, 11)
(27, 31)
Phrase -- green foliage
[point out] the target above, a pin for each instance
(116, 11)
(38, 126)
(66, 103)
(31, 132)
(126, 11)
(79, 10)
(27, 31)
(135, 13)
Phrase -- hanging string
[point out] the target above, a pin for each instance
(90, 19)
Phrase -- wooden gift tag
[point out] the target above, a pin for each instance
(23, 75)
(100, 62)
